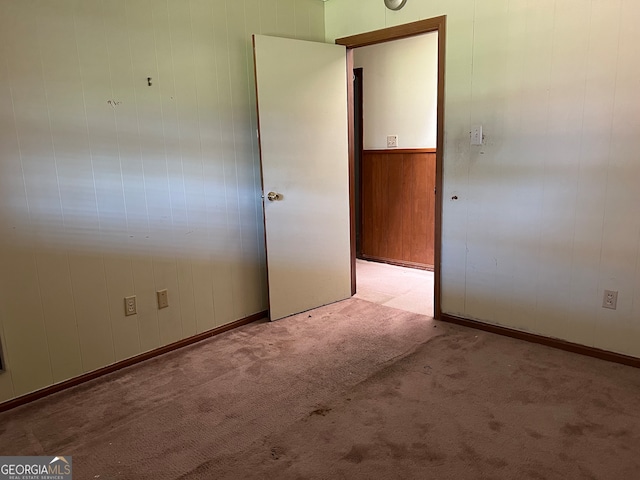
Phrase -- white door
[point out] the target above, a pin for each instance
(302, 108)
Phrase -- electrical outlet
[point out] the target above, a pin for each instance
(130, 307)
(163, 298)
(392, 141)
(610, 299)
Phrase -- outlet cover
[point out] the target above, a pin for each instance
(610, 299)
(130, 307)
(392, 141)
(163, 298)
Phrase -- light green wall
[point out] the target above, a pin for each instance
(110, 187)
(546, 213)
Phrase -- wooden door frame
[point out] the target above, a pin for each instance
(437, 24)
(358, 135)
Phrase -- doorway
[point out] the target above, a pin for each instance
(381, 36)
(395, 99)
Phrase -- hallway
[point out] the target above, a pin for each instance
(403, 288)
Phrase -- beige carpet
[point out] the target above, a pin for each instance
(351, 390)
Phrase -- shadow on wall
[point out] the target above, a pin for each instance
(181, 206)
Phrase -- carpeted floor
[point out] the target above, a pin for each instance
(351, 390)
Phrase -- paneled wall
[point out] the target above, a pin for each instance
(543, 217)
(114, 185)
(398, 206)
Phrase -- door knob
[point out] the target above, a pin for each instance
(272, 196)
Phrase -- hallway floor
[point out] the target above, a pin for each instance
(403, 288)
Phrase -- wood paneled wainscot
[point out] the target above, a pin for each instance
(398, 206)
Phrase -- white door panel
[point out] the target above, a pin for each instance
(302, 105)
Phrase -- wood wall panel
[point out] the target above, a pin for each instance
(407, 214)
(398, 206)
(392, 231)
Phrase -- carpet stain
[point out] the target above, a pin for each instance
(390, 392)
(535, 373)
(397, 451)
(255, 369)
(424, 428)
(533, 433)
(497, 462)
(328, 436)
(245, 354)
(495, 426)
(426, 452)
(205, 406)
(523, 397)
(468, 452)
(622, 433)
(320, 411)
(472, 456)
(458, 375)
(357, 454)
(453, 344)
(276, 453)
(579, 429)
(586, 473)
(457, 360)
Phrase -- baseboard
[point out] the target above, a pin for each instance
(399, 263)
(72, 382)
(542, 340)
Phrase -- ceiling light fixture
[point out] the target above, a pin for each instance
(395, 4)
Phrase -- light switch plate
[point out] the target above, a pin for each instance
(392, 141)
(476, 135)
